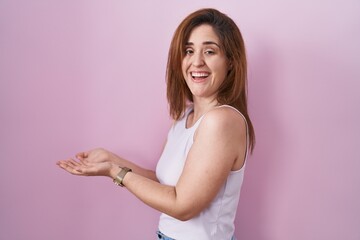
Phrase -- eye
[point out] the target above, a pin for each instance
(189, 51)
(209, 52)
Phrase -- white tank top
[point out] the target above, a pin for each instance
(216, 222)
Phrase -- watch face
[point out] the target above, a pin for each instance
(119, 178)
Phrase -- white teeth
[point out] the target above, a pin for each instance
(195, 74)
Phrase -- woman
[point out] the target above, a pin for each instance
(198, 178)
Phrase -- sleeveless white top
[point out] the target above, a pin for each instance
(217, 220)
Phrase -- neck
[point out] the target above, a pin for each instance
(201, 106)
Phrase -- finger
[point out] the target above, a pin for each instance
(80, 167)
(72, 163)
(89, 170)
(81, 155)
(62, 162)
(84, 161)
(70, 167)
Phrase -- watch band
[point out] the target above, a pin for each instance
(120, 177)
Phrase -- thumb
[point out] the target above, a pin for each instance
(81, 155)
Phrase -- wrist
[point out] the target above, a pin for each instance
(114, 170)
(118, 180)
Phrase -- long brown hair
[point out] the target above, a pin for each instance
(233, 91)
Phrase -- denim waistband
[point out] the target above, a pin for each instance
(162, 236)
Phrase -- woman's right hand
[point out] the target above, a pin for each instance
(97, 162)
(100, 162)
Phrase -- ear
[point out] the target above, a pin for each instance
(230, 65)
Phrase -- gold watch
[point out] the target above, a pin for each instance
(120, 177)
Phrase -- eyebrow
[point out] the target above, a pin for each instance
(204, 43)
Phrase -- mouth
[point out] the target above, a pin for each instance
(199, 76)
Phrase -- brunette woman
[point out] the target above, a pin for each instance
(199, 175)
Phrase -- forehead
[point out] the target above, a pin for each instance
(202, 34)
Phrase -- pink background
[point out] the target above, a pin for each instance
(75, 75)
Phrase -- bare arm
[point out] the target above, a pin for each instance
(121, 162)
(219, 146)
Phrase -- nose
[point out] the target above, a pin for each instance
(198, 59)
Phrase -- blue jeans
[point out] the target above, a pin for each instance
(162, 236)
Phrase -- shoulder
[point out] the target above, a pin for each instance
(224, 121)
(224, 117)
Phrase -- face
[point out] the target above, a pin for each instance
(205, 65)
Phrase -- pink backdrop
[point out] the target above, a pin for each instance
(81, 74)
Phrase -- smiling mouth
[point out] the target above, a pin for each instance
(198, 76)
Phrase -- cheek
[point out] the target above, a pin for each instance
(221, 71)
(225, 68)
